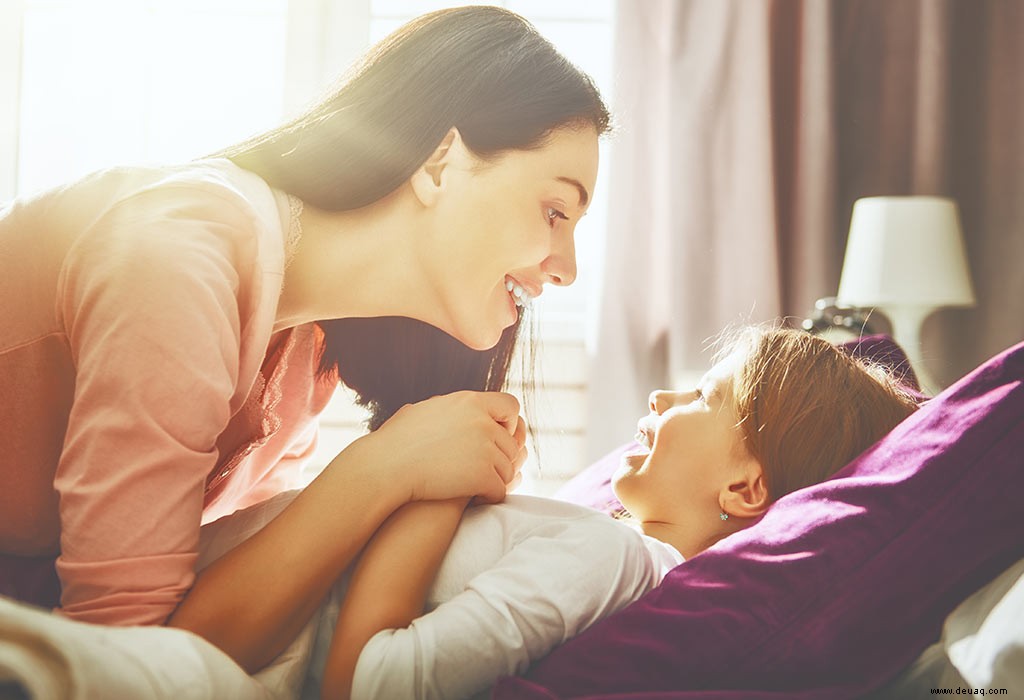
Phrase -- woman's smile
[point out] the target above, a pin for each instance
(504, 229)
(522, 294)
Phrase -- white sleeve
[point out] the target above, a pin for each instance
(548, 588)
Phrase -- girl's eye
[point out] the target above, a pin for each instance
(553, 215)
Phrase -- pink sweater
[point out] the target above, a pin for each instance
(145, 389)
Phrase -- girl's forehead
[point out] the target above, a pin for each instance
(720, 376)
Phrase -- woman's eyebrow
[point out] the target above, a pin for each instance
(584, 195)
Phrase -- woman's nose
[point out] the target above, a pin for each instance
(560, 265)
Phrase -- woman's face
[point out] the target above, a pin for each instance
(687, 442)
(509, 223)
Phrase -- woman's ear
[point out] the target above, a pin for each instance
(430, 179)
(746, 495)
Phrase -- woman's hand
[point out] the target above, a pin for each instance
(465, 444)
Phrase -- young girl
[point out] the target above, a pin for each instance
(169, 334)
(781, 410)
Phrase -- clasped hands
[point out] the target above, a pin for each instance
(464, 445)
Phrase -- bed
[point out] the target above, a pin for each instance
(903, 573)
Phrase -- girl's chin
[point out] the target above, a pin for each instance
(635, 457)
(630, 466)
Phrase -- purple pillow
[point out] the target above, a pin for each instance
(840, 585)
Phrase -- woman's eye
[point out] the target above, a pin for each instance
(553, 215)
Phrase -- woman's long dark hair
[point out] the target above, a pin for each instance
(481, 69)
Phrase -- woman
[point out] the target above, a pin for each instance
(780, 411)
(170, 334)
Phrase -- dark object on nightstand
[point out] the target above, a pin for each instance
(839, 323)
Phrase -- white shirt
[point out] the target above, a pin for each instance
(520, 578)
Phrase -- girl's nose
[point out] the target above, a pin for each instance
(659, 400)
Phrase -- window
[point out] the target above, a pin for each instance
(112, 82)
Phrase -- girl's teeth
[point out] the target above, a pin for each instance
(641, 437)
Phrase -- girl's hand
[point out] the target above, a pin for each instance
(459, 445)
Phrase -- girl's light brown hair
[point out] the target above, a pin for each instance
(806, 407)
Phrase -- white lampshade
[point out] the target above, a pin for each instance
(905, 256)
(905, 251)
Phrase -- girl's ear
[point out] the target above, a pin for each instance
(746, 495)
(429, 180)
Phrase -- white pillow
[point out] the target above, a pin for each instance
(984, 636)
(982, 644)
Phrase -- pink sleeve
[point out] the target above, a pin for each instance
(149, 302)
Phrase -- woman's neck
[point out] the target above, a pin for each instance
(356, 263)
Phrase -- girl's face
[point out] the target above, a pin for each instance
(688, 442)
(509, 223)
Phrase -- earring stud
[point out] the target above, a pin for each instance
(723, 515)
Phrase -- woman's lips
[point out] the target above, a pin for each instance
(522, 293)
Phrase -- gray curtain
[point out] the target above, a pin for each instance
(747, 128)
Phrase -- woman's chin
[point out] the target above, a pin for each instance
(476, 334)
(478, 341)
(485, 333)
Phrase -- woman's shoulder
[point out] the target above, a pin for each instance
(217, 186)
(163, 213)
(121, 202)
(111, 184)
(215, 177)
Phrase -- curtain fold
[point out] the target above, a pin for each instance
(746, 132)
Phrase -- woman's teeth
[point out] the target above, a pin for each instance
(518, 294)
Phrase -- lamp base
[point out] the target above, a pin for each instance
(906, 331)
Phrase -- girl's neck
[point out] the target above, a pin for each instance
(689, 541)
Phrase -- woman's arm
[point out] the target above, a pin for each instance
(390, 583)
(253, 601)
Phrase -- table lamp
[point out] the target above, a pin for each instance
(905, 256)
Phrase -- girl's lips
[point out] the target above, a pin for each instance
(634, 458)
(644, 435)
